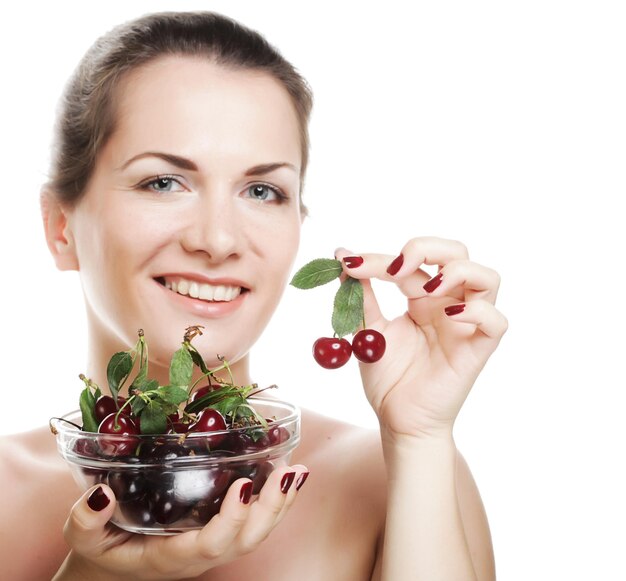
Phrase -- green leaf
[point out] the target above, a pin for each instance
(228, 404)
(198, 360)
(142, 354)
(87, 404)
(118, 369)
(348, 308)
(181, 367)
(247, 411)
(172, 394)
(144, 385)
(211, 398)
(316, 273)
(153, 419)
(256, 434)
(137, 405)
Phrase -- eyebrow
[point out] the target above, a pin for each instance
(185, 163)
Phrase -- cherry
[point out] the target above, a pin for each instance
(368, 345)
(179, 428)
(127, 485)
(277, 435)
(105, 405)
(210, 420)
(200, 392)
(206, 509)
(167, 452)
(138, 512)
(166, 507)
(331, 352)
(118, 425)
(242, 443)
(258, 472)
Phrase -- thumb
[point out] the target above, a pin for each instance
(85, 528)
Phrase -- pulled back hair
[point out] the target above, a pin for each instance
(86, 114)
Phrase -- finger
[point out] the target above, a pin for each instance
(85, 527)
(490, 323)
(404, 269)
(220, 532)
(417, 251)
(277, 495)
(477, 281)
(371, 309)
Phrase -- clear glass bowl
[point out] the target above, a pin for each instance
(171, 483)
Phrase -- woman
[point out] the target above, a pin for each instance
(181, 155)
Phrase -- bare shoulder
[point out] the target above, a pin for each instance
(350, 460)
(39, 492)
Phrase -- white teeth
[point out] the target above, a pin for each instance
(206, 292)
(220, 293)
(202, 291)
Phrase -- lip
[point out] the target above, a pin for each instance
(206, 309)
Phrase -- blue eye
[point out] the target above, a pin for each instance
(162, 184)
(265, 192)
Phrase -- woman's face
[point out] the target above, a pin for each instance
(206, 231)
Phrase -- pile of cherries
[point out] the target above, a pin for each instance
(142, 471)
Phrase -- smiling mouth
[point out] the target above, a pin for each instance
(202, 291)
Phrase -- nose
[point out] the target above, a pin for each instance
(212, 227)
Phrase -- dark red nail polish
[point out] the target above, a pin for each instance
(433, 283)
(301, 480)
(353, 261)
(396, 265)
(98, 500)
(246, 492)
(286, 482)
(454, 309)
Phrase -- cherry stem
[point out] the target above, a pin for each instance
(262, 389)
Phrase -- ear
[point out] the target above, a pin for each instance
(58, 234)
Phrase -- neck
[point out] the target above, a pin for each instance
(101, 346)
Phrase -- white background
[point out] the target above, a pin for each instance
(500, 124)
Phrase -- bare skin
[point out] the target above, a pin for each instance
(396, 504)
(338, 543)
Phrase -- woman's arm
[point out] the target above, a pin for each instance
(434, 528)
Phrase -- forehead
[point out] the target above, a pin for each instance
(189, 105)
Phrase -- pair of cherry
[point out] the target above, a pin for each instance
(368, 346)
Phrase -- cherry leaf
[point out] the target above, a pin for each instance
(181, 367)
(172, 394)
(118, 369)
(87, 404)
(153, 419)
(316, 273)
(348, 307)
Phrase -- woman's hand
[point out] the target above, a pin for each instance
(432, 358)
(101, 551)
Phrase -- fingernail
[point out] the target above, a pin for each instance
(301, 480)
(396, 265)
(433, 283)
(454, 309)
(246, 492)
(98, 500)
(286, 482)
(353, 261)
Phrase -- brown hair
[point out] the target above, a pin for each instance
(86, 114)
